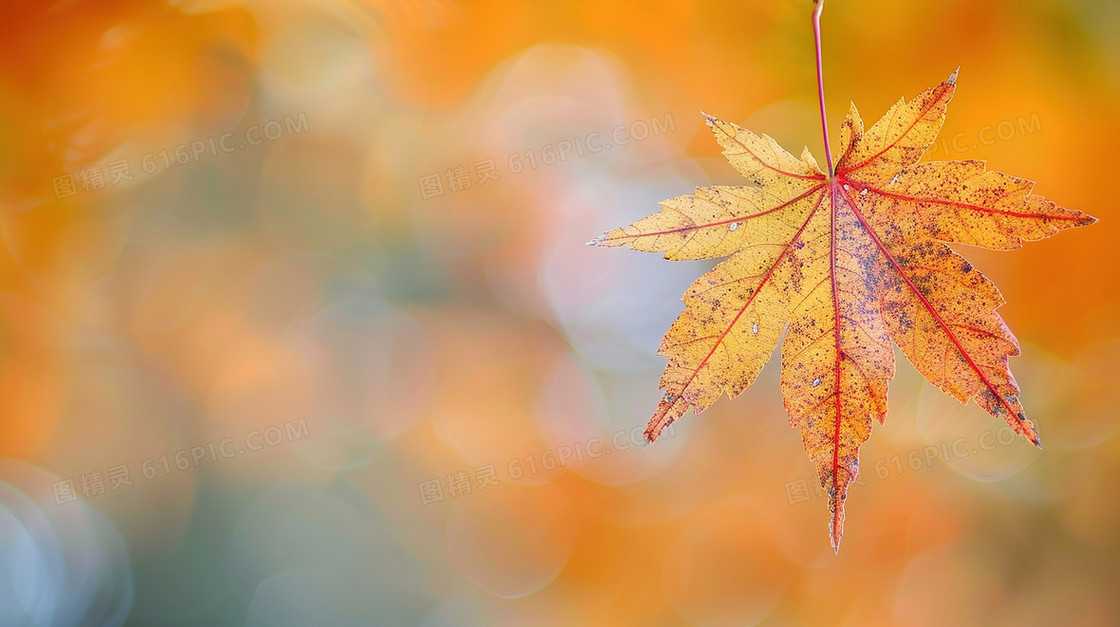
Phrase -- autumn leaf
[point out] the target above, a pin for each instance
(844, 263)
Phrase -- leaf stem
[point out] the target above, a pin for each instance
(817, 9)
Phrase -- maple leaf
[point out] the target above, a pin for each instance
(843, 264)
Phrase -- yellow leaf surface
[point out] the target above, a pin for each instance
(844, 263)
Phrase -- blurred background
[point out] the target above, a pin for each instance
(297, 326)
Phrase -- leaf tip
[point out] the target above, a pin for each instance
(1030, 433)
(836, 521)
(598, 240)
(835, 536)
(952, 80)
(668, 411)
(711, 119)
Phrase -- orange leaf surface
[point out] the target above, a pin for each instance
(844, 264)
